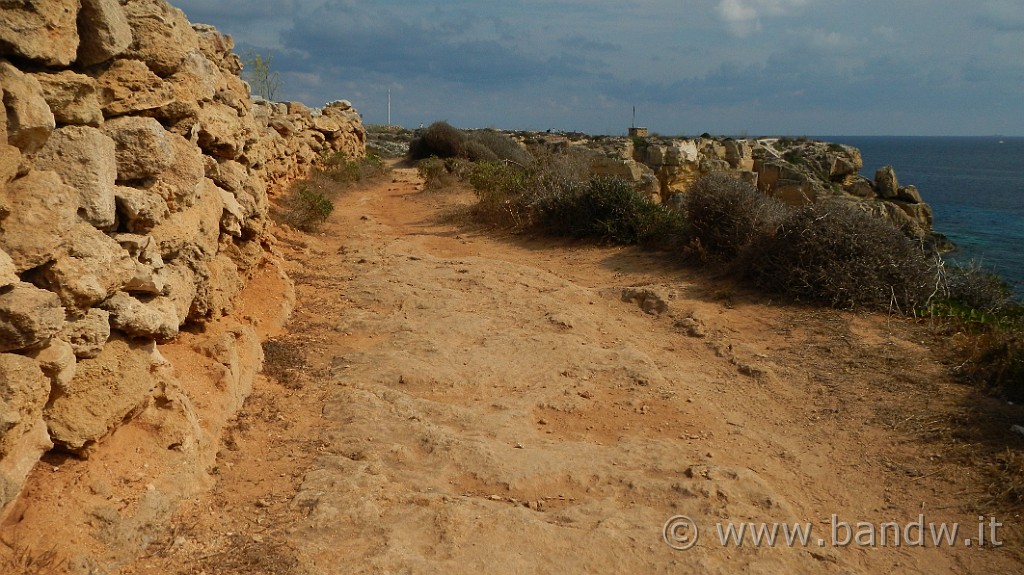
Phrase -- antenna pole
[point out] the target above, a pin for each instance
(389, 107)
(634, 117)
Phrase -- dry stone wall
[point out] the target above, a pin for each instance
(135, 169)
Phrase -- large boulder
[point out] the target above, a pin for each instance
(143, 147)
(29, 119)
(28, 316)
(162, 35)
(92, 268)
(104, 392)
(41, 214)
(72, 98)
(45, 32)
(104, 31)
(85, 159)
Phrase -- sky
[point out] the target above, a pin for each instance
(730, 67)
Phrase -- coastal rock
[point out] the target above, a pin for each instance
(44, 32)
(42, 212)
(909, 194)
(72, 98)
(28, 316)
(886, 184)
(104, 31)
(29, 119)
(84, 158)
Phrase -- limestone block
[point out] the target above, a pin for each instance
(104, 31)
(8, 273)
(129, 87)
(29, 119)
(44, 32)
(42, 213)
(143, 147)
(93, 267)
(57, 360)
(84, 157)
(221, 131)
(71, 97)
(162, 35)
(87, 334)
(10, 160)
(140, 210)
(196, 228)
(23, 438)
(28, 316)
(149, 266)
(180, 183)
(105, 391)
(233, 216)
(153, 318)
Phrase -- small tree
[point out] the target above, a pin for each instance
(264, 80)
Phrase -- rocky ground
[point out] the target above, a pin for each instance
(450, 400)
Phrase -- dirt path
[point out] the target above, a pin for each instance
(448, 401)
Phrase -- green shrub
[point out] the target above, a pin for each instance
(842, 256)
(439, 139)
(609, 210)
(437, 174)
(726, 214)
(445, 141)
(307, 208)
(344, 170)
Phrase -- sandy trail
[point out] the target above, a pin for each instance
(449, 401)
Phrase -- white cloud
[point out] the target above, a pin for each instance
(744, 16)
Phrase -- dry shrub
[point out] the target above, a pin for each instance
(840, 255)
(726, 214)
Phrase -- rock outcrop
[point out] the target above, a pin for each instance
(135, 169)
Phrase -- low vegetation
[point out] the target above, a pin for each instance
(310, 201)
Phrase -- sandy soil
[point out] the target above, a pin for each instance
(450, 400)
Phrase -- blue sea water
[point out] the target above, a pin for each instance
(975, 186)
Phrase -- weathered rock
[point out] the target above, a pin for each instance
(129, 87)
(218, 48)
(104, 31)
(233, 216)
(162, 35)
(84, 158)
(859, 186)
(71, 97)
(845, 164)
(23, 439)
(104, 392)
(8, 273)
(29, 119)
(648, 299)
(886, 184)
(88, 333)
(794, 192)
(92, 269)
(181, 182)
(143, 148)
(196, 228)
(221, 131)
(44, 32)
(920, 212)
(57, 360)
(154, 318)
(10, 160)
(28, 316)
(140, 210)
(42, 212)
(909, 194)
(149, 275)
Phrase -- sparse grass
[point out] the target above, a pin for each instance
(310, 201)
(445, 141)
(726, 215)
(23, 560)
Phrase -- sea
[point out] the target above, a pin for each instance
(975, 186)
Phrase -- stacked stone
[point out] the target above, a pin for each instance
(134, 173)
